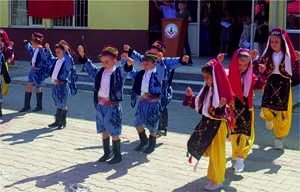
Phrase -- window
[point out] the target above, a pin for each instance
(293, 15)
(80, 18)
(19, 16)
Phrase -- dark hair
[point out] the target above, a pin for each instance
(209, 70)
(59, 46)
(270, 51)
(202, 12)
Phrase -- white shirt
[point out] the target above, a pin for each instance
(105, 83)
(33, 60)
(206, 103)
(56, 69)
(277, 58)
(146, 81)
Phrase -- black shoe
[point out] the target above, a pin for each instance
(107, 152)
(0, 109)
(57, 115)
(151, 146)
(162, 132)
(117, 152)
(143, 141)
(26, 102)
(39, 98)
(62, 119)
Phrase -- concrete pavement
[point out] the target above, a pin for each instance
(34, 158)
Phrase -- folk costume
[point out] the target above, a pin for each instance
(63, 76)
(147, 85)
(168, 69)
(277, 95)
(243, 85)
(209, 137)
(8, 54)
(38, 72)
(108, 93)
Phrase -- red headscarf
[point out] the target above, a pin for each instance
(235, 77)
(5, 37)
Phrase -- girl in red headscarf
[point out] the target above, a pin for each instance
(279, 59)
(209, 137)
(6, 48)
(243, 82)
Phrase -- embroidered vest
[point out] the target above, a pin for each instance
(59, 75)
(270, 67)
(115, 87)
(154, 84)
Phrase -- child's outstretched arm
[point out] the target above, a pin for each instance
(91, 69)
(28, 47)
(133, 54)
(174, 62)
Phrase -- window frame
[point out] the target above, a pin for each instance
(30, 25)
(73, 24)
(293, 31)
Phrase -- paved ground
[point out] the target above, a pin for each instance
(34, 158)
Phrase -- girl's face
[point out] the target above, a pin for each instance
(207, 79)
(149, 65)
(108, 61)
(34, 44)
(243, 64)
(275, 43)
(59, 53)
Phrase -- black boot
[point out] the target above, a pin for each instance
(62, 119)
(143, 141)
(107, 152)
(0, 109)
(163, 123)
(117, 152)
(56, 116)
(26, 102)
(39, 105)
(151, 145)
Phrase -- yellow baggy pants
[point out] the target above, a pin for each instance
(217, 156)
(4, 85)
(242, 149)
(282, 119)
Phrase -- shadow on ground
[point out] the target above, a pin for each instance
(79, 172)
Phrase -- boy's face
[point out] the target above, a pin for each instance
(108, 61)
(181, 6)
(34, 44)
(243, 64)
(59, 53)
(207, 79)
(149, 65)
(275, 43)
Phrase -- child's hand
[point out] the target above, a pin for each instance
(253, 54)
(185, 59)
(188, 92)
(222, 102)
(47, 46)
(80, 50)
(220, 57)
(25, 41)
(261, 68)
(297, 53)
(124, 56)
(39, 46)
(11, 44)
(130, 61)
(126, 47)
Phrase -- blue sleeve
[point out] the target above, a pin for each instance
(135, 55)
(133, 74)
(48, 57)
(125, 69)
(73, 75)
(172, 63)
(91, 69)
(29, 48)
(69, 61)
